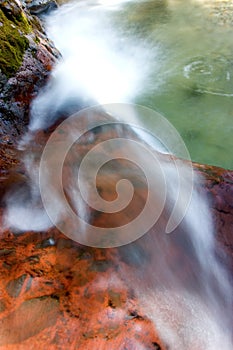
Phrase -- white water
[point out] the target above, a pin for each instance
(95, 63)
(189, 313)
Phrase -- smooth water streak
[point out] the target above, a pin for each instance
(136, 151)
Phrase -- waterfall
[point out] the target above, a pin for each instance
(181, 284)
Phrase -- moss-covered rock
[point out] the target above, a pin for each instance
(26, 59)
(13, 39)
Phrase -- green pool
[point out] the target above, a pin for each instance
(184, 54)
(190, 78)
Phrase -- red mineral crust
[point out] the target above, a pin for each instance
(58, 294)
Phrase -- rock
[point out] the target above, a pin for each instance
(26, 61)
(85, 297)
(59, 281)
(217, 186)
(14, 287)
(39, 7)
(4, 252)
(46, 243)
(26, 323)
(62, 304)
(12, 9)
(14, 41)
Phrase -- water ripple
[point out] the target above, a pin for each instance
(210, 75)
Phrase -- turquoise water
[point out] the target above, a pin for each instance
(190, 78)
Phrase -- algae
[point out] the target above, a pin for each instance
(13, 42)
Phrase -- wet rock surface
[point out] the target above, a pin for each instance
(33, 55)
(217, 186)
(41, 7)
(82, 297)
(66, 299)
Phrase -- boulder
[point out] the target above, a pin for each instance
(56, 293)
(26, 59)
(41, 7)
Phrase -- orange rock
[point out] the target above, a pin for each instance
(58, 294)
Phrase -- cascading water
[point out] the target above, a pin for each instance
(177, 277)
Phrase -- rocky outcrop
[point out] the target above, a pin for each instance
(217, 187)
(26, 59)
(41, 7)
(58, 294)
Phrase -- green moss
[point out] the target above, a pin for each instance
(13, 42)
(23, 23)
(37, 40)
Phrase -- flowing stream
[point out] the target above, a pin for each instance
(174, 56)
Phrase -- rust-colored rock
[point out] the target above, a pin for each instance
(218, 188)
(76, 296)
(58, 294)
